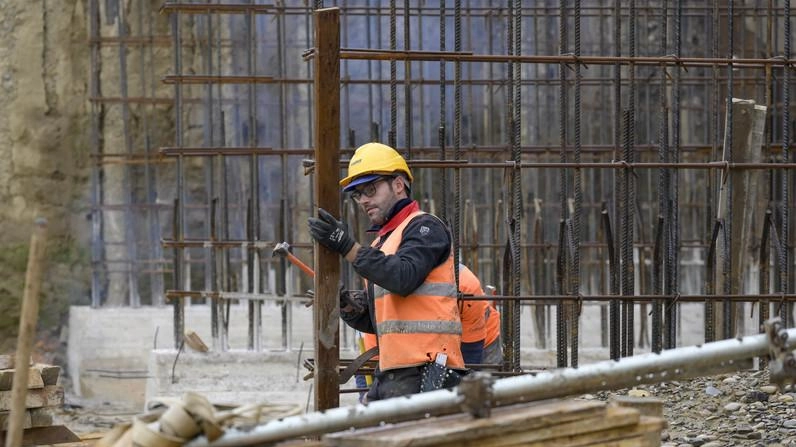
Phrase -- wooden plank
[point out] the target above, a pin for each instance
(326, 307)
(54, 434)
(548, 435)
(41, 417)
(636, 441)
(7, 379)
(49, 373)
(49, 396)
(82, 443)
(4, 416)
(645, 426)
(646, 406)
(34, 417)
(93, 436)
(301, 443)
(458, 429)
(8, 361)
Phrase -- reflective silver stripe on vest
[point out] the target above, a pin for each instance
(419, 327)
(427, 288)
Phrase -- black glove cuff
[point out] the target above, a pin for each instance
(347, 246)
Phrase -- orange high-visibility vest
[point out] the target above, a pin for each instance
(492, 325)
(473, 312)
(412, 330)
(480, 321)
(369, 341)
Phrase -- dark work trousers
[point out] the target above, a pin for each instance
(394, 383)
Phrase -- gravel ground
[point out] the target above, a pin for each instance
(739, 409)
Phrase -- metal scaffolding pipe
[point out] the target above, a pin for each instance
(675, 364)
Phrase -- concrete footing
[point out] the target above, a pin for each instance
(233, 377)
(127, 355)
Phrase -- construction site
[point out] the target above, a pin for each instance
(618, 175)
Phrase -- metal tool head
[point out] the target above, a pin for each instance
(281, 249)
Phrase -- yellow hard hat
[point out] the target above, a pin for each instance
(371, 160)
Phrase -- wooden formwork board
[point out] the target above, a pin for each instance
(49, 396)
(560, 423)
(39, 376)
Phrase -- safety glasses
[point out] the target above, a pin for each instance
(368, 189)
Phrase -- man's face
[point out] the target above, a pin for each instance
(377, 198)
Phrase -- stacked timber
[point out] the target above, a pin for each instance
(44, 395)
(558, 423)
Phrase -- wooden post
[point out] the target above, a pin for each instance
(27, 330)
(748, 207)
(326, 308)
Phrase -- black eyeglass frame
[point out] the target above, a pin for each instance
(369, 189)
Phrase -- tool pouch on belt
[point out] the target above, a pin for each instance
(434, 376)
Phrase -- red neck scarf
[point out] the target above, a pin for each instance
(399, 217)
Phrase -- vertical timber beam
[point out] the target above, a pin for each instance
(748, 123)
(327, 167)
(28, 317)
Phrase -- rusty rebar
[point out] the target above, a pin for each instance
(671, 60)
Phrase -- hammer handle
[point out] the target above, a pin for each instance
(297, 262)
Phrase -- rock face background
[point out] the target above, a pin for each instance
(44, 154)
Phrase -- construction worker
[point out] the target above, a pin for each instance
(410, 302)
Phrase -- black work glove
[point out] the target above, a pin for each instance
(352, 302)
(330, 232)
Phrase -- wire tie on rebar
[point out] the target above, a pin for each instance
(725, 171)
(574, 58)
(786, 62)
(579, 302)
(677, 62)
(626, 165)
(578, 60)
(674, 301)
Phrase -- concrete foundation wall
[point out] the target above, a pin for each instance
(108, 349)
(127, 354)
(234, 377)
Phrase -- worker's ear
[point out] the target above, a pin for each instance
(402, 184)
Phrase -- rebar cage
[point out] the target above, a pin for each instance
(579, 150)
